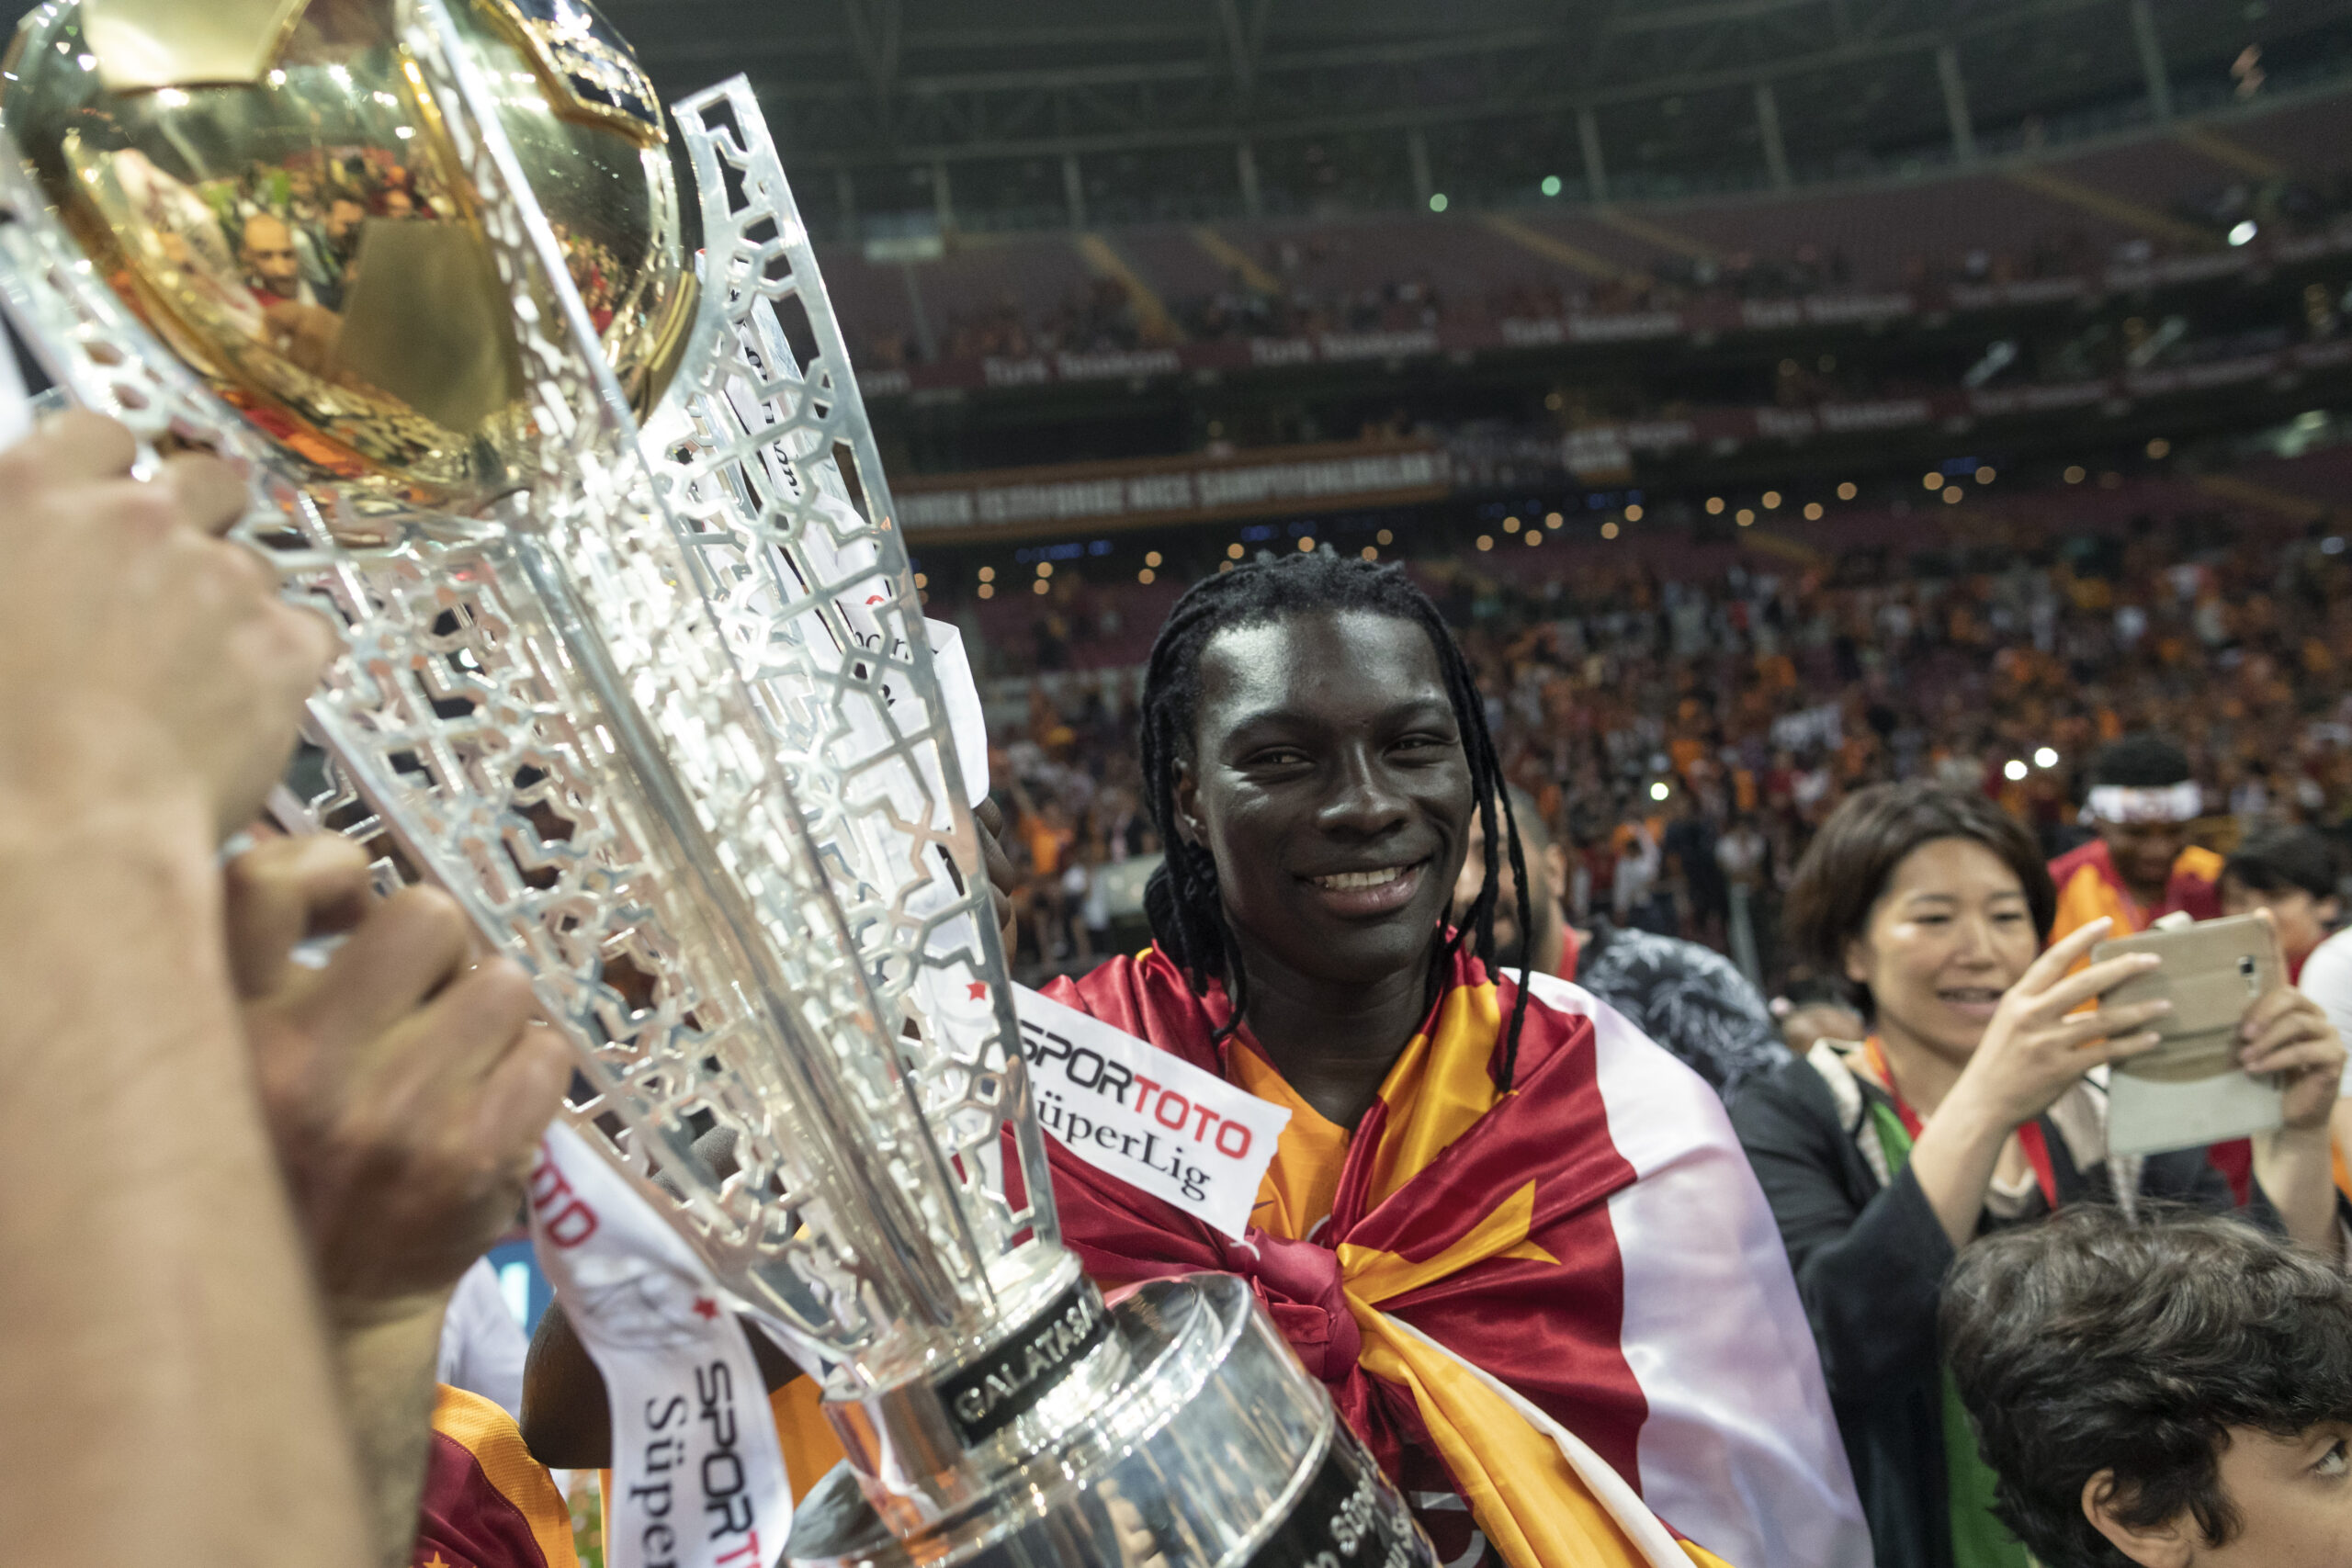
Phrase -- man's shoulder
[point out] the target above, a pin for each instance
(2091, 854)
(2198, 863)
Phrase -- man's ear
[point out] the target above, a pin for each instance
(1186, 796)
(2166, 1545)
(1556, 871)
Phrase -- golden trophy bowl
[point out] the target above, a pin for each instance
(271, 187)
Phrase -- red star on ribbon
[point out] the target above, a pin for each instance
(706, 1308)
(979, 989)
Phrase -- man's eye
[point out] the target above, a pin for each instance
(2335, 1462)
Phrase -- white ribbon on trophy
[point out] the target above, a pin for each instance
(698, 1478)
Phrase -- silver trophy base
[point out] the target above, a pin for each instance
(1219, 1451)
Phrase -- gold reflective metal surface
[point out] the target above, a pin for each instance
(305, 241)
(171, 43)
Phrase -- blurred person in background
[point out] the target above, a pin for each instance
(2294, 874)
(1813, 1012)
(1685, 997)
(1967, 1109)
(2173, 1393)
(2142, 798)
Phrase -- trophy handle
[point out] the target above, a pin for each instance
(765, 449)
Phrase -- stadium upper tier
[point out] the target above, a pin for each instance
(2207, 199)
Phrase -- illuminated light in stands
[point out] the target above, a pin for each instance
(1609, 530)
(2045, 757)
(1984, 474)
(921, 580)
(1555, 401)
(2110, 480)
(2013, 769)
(1437, 201)
(1306, 544)
(2074, 473)
(1812, 512)
(2159, 448)
(1772, 501)
(1224, 566)
(1846, 491)
(1485, 541)
(1932, 479)
(1370, 552)
(1144, 576)
(1714, 506)
(1151, 558)
(1510, 525)
(1551, 520)
(1658, 790)
(2243, 231)
(1235, 552)
(1952, 496)
(1551, 184)
(1041, 586)
(1632, 514)
(988, 574)
(987, 589)
(1745, 517)
(1384, 537)
(1044, 569)
(1535, 535)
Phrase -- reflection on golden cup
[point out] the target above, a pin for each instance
(270, 185)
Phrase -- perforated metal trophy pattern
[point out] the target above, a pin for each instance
(636, 669)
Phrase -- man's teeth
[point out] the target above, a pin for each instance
(1349, 881)
(1973, 994)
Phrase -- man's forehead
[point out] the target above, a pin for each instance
(1321, 660)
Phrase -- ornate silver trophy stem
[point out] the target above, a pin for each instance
(657, 705)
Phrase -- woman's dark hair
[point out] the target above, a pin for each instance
(1182, 899)
(1847, 865)
(2089, 1343)
(2277, 859)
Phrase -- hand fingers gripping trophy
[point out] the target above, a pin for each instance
(634, 668)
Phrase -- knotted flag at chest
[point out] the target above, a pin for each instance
(1572, 1296)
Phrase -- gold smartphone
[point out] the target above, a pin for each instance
(2213, 972)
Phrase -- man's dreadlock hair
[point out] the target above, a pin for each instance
(1186, 912)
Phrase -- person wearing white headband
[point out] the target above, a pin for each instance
(2142, 866)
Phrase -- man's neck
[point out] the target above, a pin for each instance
(1334, 1043)
(2140, 893)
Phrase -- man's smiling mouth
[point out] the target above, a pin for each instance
(1352, 881)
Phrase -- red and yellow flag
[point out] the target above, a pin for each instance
(1566, 1307)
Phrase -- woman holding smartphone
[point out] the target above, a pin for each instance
(1968, 1109)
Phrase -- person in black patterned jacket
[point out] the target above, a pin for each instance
(1690, 1000)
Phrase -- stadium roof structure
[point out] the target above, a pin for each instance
(986, 113)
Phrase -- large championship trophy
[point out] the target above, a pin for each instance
(636, 669)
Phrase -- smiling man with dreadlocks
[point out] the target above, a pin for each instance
(1517, 1240)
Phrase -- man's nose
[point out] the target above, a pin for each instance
(1363, 799)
